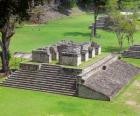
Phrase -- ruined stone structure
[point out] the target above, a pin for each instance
(132, 52)
(67, 53)
(101, 80)
(42, 55)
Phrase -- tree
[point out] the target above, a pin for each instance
(97, 6)
(10, 12)
(124, 26)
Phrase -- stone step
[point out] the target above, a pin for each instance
(41, 85)
(42, 88)
(51, 66)
(42, 81)
(44, 77)
(43, 72)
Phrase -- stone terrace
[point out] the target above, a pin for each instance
(109, 81)
(132, 52)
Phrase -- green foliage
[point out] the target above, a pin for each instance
(124, 25)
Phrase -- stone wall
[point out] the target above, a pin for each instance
(131, 54)
(67, 53)
(87, 72)
(42, 56)
(84, 55)
(135, 48)
(29, 66)
(72, 60)
(54, 52)
(86, 92)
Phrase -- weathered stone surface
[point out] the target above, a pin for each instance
(132, 52)
(54, 52)
(71, 60)
(41, 55)
(29, 66)
(135, 48)
(67, 53)
(84, 55)
(109, 82)
(97, 48)
(85, 45)
(91, 52)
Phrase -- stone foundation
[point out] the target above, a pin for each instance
(42, 56)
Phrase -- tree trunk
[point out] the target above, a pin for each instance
(95, 25)
(96, 11)
(5, 60)
(7, 32)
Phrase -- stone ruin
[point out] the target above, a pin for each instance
(67, 53)
(132, 52)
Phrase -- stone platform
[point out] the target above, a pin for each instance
(132, 52)
(102, 80)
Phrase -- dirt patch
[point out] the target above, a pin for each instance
(128, 94)
(131, 102)
(137, 84)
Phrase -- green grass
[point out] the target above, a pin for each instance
(15, 102)
(73, 28)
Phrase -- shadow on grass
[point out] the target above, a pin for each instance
(77, 34)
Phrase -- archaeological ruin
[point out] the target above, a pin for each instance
(67, 53)
(132, 52)
(101, 80)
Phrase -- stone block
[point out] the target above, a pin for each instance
(91, 52)
(54, 52)
(41, 55)
(98, 50)
(84, 55)
(30, 66)
(70, 59)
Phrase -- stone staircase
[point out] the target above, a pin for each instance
(49, 78)
(132, 52)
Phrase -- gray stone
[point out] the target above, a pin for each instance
(41, 55)
(84, 55)
(91, 52)
(54, 52)
(29, 66)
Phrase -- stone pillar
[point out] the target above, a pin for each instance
(91, 52)
(54, 52)
(98, 50)
(84, 55)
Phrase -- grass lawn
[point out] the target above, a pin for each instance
(73, 28)
(15, 102)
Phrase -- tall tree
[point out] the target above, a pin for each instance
(123, 25)
(10, 11)
(97, 6)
